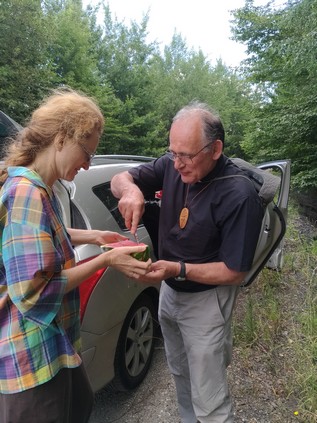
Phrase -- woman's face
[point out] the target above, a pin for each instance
(76, 155)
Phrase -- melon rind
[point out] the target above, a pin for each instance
(141, 256)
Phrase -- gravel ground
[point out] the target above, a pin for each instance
(254, 390)
(256, 395)
(153, 402)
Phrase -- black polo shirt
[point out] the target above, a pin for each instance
(224, 220)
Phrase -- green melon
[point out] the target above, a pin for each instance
(142, 256)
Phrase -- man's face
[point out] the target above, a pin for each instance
(187, 138)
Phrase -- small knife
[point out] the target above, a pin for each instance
(136, 237)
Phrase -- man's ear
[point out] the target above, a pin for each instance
(217, 148)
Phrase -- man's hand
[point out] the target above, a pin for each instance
(131, 206)
(131, 200)
(161, 270)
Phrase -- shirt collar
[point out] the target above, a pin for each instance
(218, 169)
(31, 175)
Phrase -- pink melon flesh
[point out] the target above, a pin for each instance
(142, 256)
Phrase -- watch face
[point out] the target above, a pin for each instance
(180, 278)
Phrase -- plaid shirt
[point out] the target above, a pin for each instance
(39, 323)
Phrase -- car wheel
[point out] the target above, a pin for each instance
(136, 345)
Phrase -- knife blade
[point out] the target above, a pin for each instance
(136, 237)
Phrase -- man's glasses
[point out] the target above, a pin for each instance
(185, 158)
(89, 155)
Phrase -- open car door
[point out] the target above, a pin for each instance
(269, 251)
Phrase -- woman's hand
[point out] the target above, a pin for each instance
(93, 236)
(106, 237)
(120, 259)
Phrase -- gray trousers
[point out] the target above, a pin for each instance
(67, 398)
(197, 334)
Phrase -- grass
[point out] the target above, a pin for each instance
(276, 321)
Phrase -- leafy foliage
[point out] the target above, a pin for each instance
(269, 110)
(24, 64)
(282, 44)
(139, 87)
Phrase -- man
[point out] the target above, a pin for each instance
(209, 225)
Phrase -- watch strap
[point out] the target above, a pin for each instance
(182, 273)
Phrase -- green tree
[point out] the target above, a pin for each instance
(74, 53)
(139, 88)
(72, 48)
(282, 43)
(183, 75)
(25, 70)
(124, 63)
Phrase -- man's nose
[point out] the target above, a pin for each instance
(178, 163)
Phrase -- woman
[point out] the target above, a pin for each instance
(42, 378)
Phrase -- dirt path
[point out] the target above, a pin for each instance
(153, 402)
(255, 392)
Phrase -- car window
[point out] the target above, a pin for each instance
(5, 131)
(5, 127)
(8, 127)
(77, 220)
(103, 192)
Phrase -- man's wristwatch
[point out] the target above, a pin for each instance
(182, 274)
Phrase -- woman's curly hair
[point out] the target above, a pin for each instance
(66, 113)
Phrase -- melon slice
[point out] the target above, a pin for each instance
(142, 256)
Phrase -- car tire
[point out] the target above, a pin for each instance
(136, 345)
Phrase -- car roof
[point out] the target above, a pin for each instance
(106, 159)
(7, 122)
